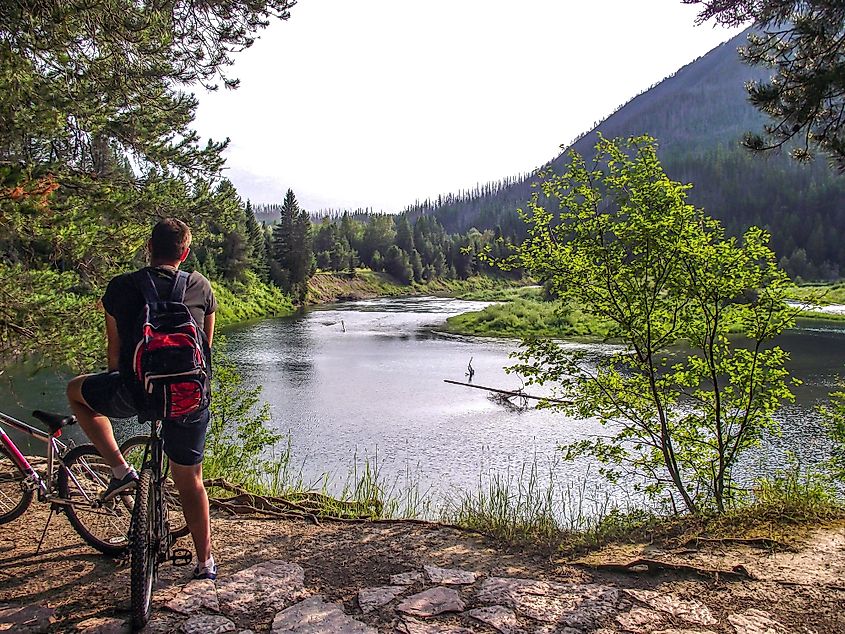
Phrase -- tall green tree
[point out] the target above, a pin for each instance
(802, 42)
(683, 400)
(292, 250)
(96, 141)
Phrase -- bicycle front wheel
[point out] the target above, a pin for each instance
(143, 550)
(133, 450)
(14, 494)
(82, 480)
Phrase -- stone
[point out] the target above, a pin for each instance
(413, 626)
(498, 617)
(689, 610)
(207, 624)
(315, 616)
(576, 605)
(196, 596)
(450, 576)
(640, 620)
(98, 625)
(432, 602)
(269, 585)
(370, 599)
(26, 619)
(755, 622)
(405, 578)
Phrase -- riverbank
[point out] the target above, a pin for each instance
(414, 578)
(327, 288)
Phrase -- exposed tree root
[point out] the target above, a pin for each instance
(756, 542)
(311, 506)
(651, 566)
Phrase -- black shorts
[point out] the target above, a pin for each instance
(184, 441)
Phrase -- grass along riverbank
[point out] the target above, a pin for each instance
(522, 313)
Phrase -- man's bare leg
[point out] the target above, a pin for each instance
(192, 494)
(96, 426)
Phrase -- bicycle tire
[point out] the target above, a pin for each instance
(104, 527)
(143, 551)
(133, 450)
(15, 497)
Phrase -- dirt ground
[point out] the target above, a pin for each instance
(803, 588)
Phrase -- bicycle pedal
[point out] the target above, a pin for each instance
(181, 557)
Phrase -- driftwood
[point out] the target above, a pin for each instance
(652, 566)
(510, 393)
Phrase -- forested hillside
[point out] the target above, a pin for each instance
(698, 117)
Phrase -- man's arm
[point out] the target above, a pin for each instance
(112, 343)
(208, 327)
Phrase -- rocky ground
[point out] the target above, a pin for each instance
(292, 576)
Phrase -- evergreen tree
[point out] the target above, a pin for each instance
(293, 259)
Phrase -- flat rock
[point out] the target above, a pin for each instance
(677, 631)
(406, 578)
(315, 616)
(195, 597)
(413, 626)
(207, 624)
(498, 617)
(755, 622)
(100, 625)
(269, 585)
(689, 610)
(450, 576)
(640, 620)
(432, 602)
(26, 619)
(576, 605)
(370, 599)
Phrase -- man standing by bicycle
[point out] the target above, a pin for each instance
(95, 398)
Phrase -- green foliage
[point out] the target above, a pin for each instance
(833, 417)
(242, 301)
(523, 318)
(238, 437)
(96, 108)
(624, 245)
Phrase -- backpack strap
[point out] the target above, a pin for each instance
(179, 286)
(148, 287)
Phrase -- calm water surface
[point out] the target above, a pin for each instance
(365, 379)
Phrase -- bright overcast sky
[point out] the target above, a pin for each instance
(377, 103)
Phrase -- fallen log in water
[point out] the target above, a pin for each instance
(516, 394)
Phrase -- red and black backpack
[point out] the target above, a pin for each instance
(171, 361)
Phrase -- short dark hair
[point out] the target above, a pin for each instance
(169, 240)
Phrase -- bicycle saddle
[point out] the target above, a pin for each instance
(54, 422)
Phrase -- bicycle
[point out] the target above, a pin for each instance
(151, 537)
(72, 483)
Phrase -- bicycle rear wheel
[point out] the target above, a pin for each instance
(104, 526)
(14, 495)
(133, 450)
(143, 550)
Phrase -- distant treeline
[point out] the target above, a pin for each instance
(291, 248)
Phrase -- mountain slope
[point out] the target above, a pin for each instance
(698, 116)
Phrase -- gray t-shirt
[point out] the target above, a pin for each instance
(124, 301)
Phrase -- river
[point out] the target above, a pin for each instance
(364, 380)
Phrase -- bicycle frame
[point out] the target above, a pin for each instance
(55, 447)
(44, 486)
